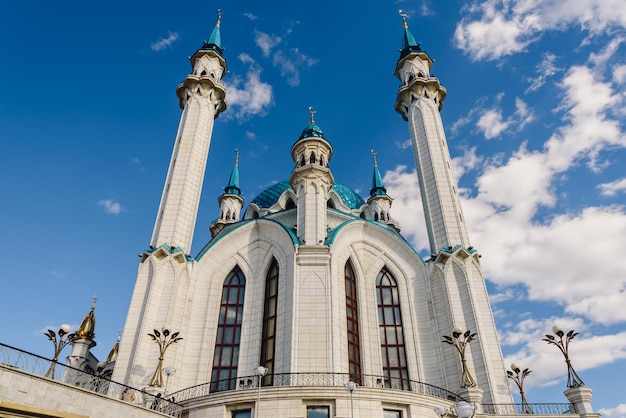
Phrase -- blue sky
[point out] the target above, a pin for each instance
(535, 118)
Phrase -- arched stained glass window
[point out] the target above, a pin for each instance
(224, 373)
(268, 339)
(392, 346)
(352, 320)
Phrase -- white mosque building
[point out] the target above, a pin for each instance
(308, 302)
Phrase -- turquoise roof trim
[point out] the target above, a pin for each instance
(348, 196)
(270, 196)
(332, 234)
(233, 227)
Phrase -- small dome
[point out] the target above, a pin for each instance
(312, 130)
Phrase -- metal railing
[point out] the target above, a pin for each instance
(528, 409)
(314, 379)
(31, 363)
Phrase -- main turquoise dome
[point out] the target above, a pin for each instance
(270, 196)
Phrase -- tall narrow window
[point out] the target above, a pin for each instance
(268, 342)
(392, 346)
(224, 374)
(352, 320)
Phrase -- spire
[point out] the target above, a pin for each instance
(377, 183)
(113, 353)
(88, 326)
(215, 40)
(408, 41)
(233, 181)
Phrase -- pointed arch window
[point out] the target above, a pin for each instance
(268, 339)
(392, 346)
(226, 357)
(352, 320)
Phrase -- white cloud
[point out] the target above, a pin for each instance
(600, 59)
(164, 42)
(468, 161)
(250, 135)
(249, 96)
(491, 123)
(291, 64)
(612, 188)
(619, 411)
(266, 42)
(493, 29)
(111, 206)
(251, 16)
(545, 69)
(619, 73)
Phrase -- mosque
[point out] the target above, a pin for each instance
(307, 302)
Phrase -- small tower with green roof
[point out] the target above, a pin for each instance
(379, 202)
(230, 201)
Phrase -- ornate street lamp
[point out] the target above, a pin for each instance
(164, 339)
(351, 387)
(460, 340)
(519, 381)
(573, 380)
(64, 339)
(461, 409)
(260, 372)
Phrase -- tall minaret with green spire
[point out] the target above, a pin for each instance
(459, 295)
(379, 202)
(165, 268)
(202, 97)
(419, 101)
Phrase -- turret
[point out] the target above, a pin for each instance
(379, 202)
(230, 201)
(311, 179)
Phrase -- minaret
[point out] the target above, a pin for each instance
(420, 98)
(165, 268)
(311, 180)
(230, 201)
(379, 202)
(459, 294)
(202, 97)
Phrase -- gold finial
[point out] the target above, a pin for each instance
(403, 15)
(374, 155)
(219, 17)
(312, 112)
(87, 328)
(236, 156)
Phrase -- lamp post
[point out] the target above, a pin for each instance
(168, 372)
(519, 381)
(461, 409)
(460, 340)
(64, 339)
(351, 387)
(573, 380)
(164, 339)
(260, 372)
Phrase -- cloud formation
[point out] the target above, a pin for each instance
(111, 206)
(164, 42)
(493, 29)
(248, 96)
